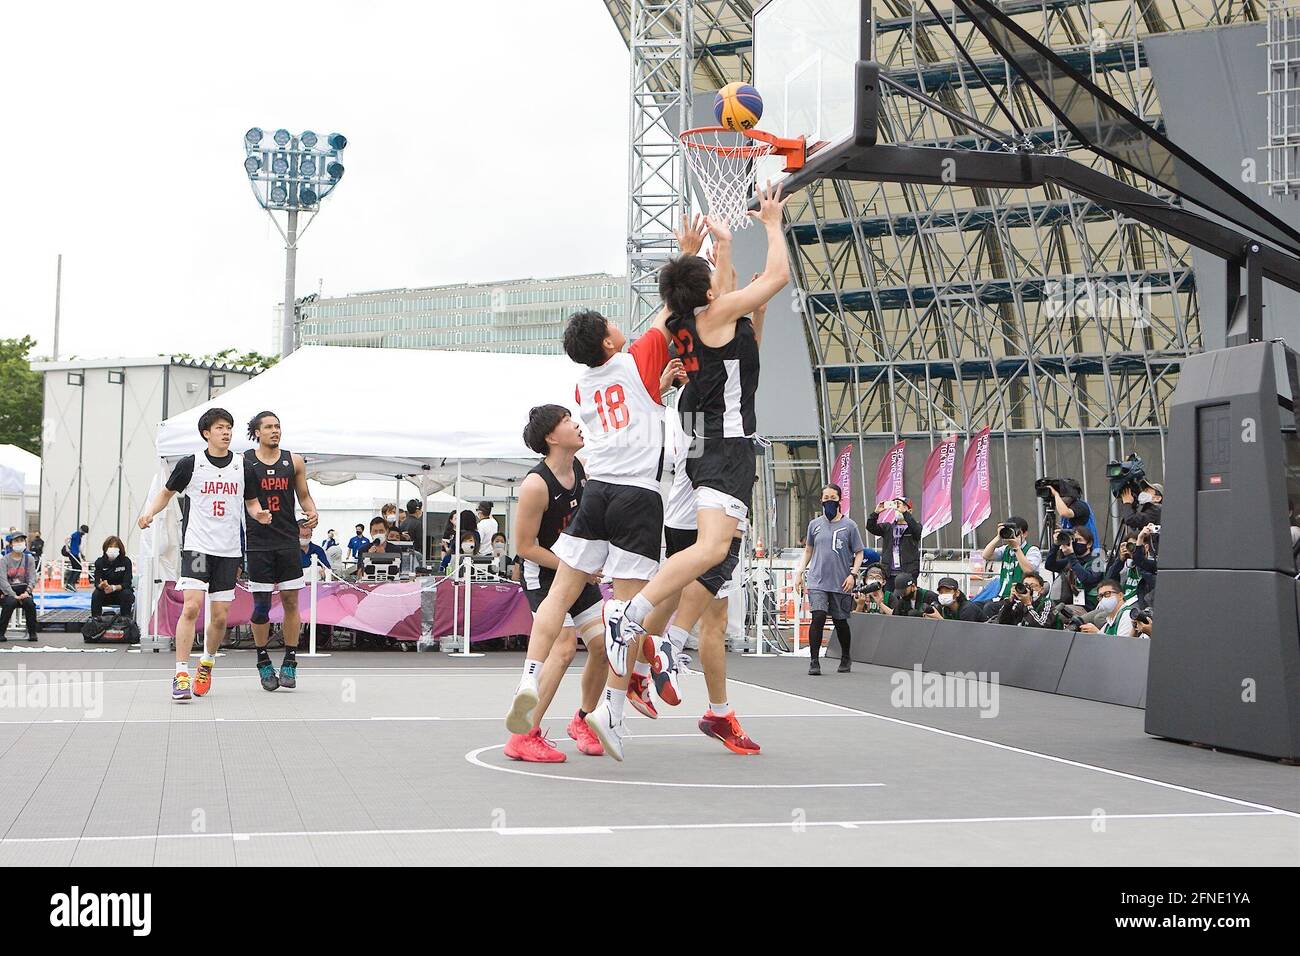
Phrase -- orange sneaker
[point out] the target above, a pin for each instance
(533, 747)
(638, 694)
(727, 729)
(203, 678)
(588, 743)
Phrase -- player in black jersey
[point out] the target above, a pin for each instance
(719, 350)
(275, 477)
(548, 499)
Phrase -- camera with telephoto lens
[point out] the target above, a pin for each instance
(1064, 539)
(1065, 487)
(1020, 587)
(1006, 532)
(931, 608)
(869, 587)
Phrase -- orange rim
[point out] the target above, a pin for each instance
(767, 144)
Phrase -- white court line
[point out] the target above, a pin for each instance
(620, 828)
(1029, 753)
(349, 672)
(473, 758)
(113, 721)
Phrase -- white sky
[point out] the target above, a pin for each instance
(487, 140)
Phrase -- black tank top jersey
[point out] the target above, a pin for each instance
(561, 502)
(718, 400)
(274, 485)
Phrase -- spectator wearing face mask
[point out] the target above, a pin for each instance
(17, 586)
(502, 564)
(1029, 605)
(908, 598)
(1114, 615)
(900, 545)
(392, 532)
(1134, 568)
(1079, 567)
(951, 604)
(467, 549)
(358, 543)
(1144, 509)
(112, 574)
(487, 525)
(308, 548)
(378, 537)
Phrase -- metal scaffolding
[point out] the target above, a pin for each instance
(1282, 46)
(931, 310)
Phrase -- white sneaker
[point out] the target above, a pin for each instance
(619, 635)
(664, 671)
(520, 718)
(684, 665)
(610, 734)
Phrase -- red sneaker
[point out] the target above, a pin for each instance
(588, 743)
(663, 668)
(727, 729)
(638, 693)
(533, 747)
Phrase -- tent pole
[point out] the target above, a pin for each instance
(465, 646)
(315, 579)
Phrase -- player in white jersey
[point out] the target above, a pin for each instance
(211, 549)
(617, 526)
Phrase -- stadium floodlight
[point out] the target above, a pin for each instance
(292, 176)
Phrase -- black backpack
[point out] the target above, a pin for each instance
(94, 629)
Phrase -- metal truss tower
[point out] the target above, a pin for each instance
(932, 310)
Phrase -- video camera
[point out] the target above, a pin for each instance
(1129, 473)
(1065, 487)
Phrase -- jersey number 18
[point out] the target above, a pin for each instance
(612, 402)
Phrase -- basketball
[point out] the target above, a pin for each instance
(738, 106)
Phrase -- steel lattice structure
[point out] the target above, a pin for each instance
(932, 310)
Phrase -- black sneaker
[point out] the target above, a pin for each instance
(289, 674)
(267, 673)
(846, 665)
(814, 668)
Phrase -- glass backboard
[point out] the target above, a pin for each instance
(805, 53)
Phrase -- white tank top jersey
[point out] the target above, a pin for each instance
(216, 508)
(622, 416)
(679, 502)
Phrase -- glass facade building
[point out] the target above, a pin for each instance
(519, 315)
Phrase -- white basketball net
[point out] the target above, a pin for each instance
(722, 162)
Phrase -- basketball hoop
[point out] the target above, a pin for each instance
(722, 161)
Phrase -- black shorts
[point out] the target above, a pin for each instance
(281, 568)
(719, 576)
(588, 597)
(728, 466)
(678, 539)
(616, 530)
(211, 573)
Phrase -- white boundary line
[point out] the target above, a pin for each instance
(1028, 753)
(473, 758)
(381, 718)
(619, 828)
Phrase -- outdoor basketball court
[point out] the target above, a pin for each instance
(384, 758)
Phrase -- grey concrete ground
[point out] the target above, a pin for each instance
(390, 758)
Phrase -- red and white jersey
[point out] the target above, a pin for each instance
(622, 415)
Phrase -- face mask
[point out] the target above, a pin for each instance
(1081, 548)
(19, 548)
(466, 547)
(1146, 498)
(830, 509)
(113, 553)
(946, 598)
(1108, 603)
(380, 537)
(499, 549)
(304, 543)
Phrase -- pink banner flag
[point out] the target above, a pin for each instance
(889, 480)
(842, 475)
(936, 486)
(976, 497)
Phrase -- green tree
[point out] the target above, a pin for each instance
(21, 395)
(233, 356)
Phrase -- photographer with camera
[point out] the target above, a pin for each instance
(900, 540)
(1016, 557)
(1078, 565)
(1114, 615)
(1142, 622)
(1064, 496)
(1029, 605)
(950, 604)
(908, 599)
(832, 557)
(872, 596)
(1134, 567)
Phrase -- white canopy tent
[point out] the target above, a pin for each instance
(434, 417)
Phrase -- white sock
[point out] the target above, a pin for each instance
(637, 609)
(614, 701)
(719, 709)
(182, 667)
(678, 636)
(641, 669)
(532, 668)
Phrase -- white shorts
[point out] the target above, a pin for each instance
(589, 556)
(712, 498)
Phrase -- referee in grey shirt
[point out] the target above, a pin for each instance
(832, 556)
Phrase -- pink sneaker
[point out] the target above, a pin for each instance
(533, 747)
(588, 743)
(638, 693)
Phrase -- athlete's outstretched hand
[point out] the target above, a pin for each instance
(718, 229)
(770, 204)
(262, 516)
(691, 236)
